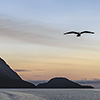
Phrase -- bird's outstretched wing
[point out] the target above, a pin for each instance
(87, 32)
(71, 32)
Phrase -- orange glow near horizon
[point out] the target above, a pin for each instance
(75, 66)
(38, 50)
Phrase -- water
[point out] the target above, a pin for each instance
(49, 94)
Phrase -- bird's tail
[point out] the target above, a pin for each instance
(92, 32)
(78, 35)
(64, 33)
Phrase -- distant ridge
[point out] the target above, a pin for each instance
(61, 82)
(10, 79)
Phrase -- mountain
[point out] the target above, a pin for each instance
(61, 82)
(10, 79)
(7, 71)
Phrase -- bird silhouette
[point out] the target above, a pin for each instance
(78, 33)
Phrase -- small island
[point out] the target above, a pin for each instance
(61, 82)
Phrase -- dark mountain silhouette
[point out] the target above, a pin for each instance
(10, 79)
(60, 82)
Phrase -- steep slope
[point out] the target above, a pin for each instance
(10, 79)
(7, 71)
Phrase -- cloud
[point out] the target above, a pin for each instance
(41, 34)
(21, 70)
(93, 81)
(25, 70)
(38, 69)
(36, 75)
(38, 33)
(27, 32)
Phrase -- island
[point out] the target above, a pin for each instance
(61, 82)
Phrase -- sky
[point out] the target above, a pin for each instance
(33, 44)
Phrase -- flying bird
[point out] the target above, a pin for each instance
(78, 33)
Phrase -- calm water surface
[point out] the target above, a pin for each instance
(49, 94)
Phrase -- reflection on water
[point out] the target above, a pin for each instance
(49, 94)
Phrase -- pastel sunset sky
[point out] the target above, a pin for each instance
(33, 44)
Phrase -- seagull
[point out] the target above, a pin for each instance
(78, 33)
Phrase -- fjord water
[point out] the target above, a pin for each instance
(49, 94)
